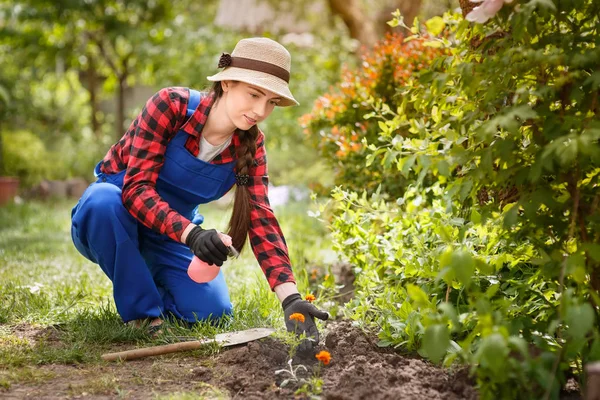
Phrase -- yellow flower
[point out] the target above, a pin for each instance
(297, 317)
(310, 298)
(324, 357)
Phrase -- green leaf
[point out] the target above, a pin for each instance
(580, 320)
(443, 168)
(548, 4)
(463, 266)
(510, 217)
(383, 126)
(415, 26)
(519, 344)
(405, 309)
(511, 118)
(594, 354)
(449, 312)
(593, 250)
(484, 267)
(465, 189)
(418, 295)
(492, 352)
(576, 267)
(436, 341)
(432, 43)
(594, 80)
(407, 164)
(475, 216)
(435, 25)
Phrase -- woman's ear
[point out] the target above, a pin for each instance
(225, 85)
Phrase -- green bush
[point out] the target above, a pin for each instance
(25, 156)
(491, 255)
(344, 121)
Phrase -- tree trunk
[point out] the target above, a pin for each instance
(92, 86)
(1, 153)
(466, 6)
(360, 26)
(120, 115)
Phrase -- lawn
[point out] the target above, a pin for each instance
(57, 311)
(57, 318)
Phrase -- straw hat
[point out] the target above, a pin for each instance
(260, 62)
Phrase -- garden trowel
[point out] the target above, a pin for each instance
(222, 339)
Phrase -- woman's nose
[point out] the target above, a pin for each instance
(260, 110)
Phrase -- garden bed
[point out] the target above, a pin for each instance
(358, 369)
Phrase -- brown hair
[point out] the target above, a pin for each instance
(239, 224)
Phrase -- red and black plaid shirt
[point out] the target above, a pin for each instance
(141, 151)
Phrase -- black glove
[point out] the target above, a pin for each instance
(294, 304)
(207, 245)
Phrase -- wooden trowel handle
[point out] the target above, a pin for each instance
(155, 350)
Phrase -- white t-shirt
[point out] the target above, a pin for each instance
(208, 151)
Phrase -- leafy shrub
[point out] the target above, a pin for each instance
(490, 256)
(336, 124)
(25, 156)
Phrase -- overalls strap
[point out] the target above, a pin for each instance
(193, 103)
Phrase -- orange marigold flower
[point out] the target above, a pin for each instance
(324, 357)
(297, 317)
(309, 297)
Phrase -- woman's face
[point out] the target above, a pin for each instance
(246, 104)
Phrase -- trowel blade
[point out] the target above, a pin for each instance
(245, 336)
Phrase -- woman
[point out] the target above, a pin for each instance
(138, 221)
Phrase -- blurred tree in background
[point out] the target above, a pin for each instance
(77, 72)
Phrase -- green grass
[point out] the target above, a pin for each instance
(205, 391)
(47, 286)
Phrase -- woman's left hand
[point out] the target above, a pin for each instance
(294, 304)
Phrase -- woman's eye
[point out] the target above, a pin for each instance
(254, 95)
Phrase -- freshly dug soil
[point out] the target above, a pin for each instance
(358, 370)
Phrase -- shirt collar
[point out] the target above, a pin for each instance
(196, 122)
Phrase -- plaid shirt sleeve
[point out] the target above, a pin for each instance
(150, 132)
(266, 237)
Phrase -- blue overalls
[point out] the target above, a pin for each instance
(148, 269)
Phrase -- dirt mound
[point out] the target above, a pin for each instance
(250, 370)
(360, 370)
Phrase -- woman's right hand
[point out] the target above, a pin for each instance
(207, 245)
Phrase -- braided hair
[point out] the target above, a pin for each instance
(239, 224)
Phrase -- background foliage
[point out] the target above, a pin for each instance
(61, 61)
(341, 123)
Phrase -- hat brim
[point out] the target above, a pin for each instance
(259, 79)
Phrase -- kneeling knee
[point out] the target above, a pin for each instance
(215, 310)
(105, 200)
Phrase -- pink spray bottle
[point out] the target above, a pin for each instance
(202, 272)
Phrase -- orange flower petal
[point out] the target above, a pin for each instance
(324, 357)
(297, 317)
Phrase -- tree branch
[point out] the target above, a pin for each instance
(359, 25)
(408, 8)
(100, 44)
